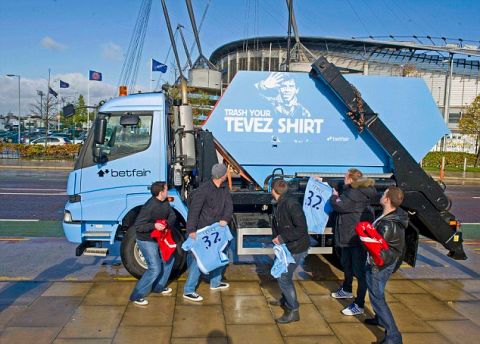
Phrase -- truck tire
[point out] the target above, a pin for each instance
(133, 260)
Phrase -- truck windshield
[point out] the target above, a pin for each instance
(122, 141)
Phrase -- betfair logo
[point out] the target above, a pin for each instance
(123, 173)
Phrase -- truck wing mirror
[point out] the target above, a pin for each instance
(100, 130)
(129, 120)
(68, 110)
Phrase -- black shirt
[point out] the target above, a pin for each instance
(152, 211)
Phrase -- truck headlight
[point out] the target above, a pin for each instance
(67, 216)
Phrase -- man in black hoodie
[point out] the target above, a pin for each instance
(156, 276)
(289, 227)
(351, 207)
(391, 225)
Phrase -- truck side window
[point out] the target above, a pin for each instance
(122, 141)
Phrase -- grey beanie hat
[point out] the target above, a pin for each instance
(219, 170)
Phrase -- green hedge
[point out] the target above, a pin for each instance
(63, 152)
(452, 159)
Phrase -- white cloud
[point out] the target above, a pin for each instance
(28, 87)
(49, 43)
(112, 51)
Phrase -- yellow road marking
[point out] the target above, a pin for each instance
(14, 239)
(13, 279)
(125, 278)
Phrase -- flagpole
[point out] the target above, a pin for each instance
(151, 67)
(46, 109)
(89, 125)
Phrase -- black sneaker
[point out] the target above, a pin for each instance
(193, 297)
(141, 302)
(222, 285)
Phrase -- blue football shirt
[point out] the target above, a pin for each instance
(316, 205)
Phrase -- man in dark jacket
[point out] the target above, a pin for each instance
(156, 276)
(211, 203)
(391, 225)
(351, 207)
(289, 227)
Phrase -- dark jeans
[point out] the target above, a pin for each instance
(156, 277)
(376, 281)
(353, 261)
(285, 281)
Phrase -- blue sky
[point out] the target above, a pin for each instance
(71, 37)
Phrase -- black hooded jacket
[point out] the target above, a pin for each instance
(351, 207)
(392, 228)
(290, 224)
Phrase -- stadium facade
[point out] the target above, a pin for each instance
(368, 57)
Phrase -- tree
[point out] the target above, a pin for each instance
(46, 107)
(80, 115)
(470, 124)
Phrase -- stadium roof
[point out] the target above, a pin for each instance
(423, 56)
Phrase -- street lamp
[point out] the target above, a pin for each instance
(17, 76)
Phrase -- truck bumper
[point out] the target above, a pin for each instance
(73, 231)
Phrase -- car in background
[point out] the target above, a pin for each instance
(80, 138)
(52, 141)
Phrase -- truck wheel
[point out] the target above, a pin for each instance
(134, 262)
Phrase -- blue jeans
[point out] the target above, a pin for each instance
(285, 281)
(156, 277)
(353, 261)
(194, 275)
(376, 282)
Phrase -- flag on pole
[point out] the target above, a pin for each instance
(52, 92)
(95, 76)
(64, 84)
(158, 66)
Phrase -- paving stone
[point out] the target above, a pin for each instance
(331, 309)
(320, 287)
(308, 315)
(8, 313)
(403, 287)
(462, 331)
(408, 321)
(271, 290)
(243, 288)
(22, 335)
(246, 310)
(253, 334)
(109, 293)
(312, 340)
(471, 310)
(82, 341)
(212, 339)
(468, 285)
(47, 311)
(444, 290)
(427, 307)
(210, 297)
(21, 293)
(93, 322)
(68, 289)
(159, 312)
(198, 321)
(356, 333)
(423, 338)
(143, 334)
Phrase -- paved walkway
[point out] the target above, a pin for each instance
(436, 302)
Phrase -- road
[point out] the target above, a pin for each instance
(30, 194)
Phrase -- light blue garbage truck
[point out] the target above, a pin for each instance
(265, 125)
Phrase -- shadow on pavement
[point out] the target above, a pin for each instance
(29, 291)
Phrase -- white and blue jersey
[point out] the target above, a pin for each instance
(283, 258)
(316, 205)
(208, 247)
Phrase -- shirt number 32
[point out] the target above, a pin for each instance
(207, 239)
